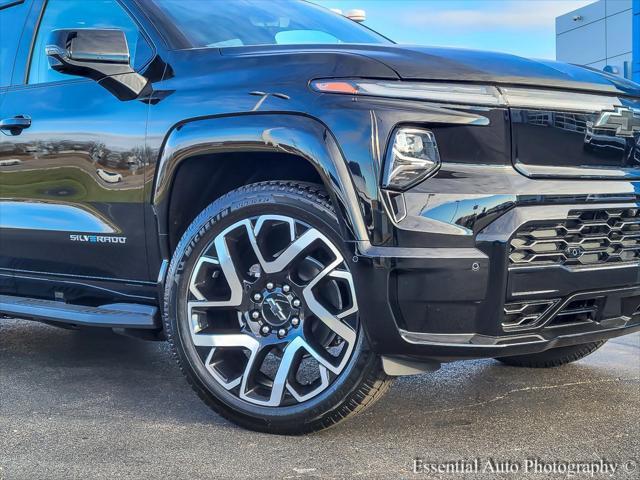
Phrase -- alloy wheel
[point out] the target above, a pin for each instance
(272, 310)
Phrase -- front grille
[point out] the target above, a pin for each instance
(585, 237)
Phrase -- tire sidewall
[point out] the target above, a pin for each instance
(246, 203)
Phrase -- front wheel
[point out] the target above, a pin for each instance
(262, 315)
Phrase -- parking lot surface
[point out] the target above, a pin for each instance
(96, 405)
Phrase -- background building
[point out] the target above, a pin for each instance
(603, 35)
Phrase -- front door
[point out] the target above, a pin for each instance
(72, 173)
(12, 19)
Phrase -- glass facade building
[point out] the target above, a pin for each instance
(604, 35)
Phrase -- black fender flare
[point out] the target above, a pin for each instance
(295, 134)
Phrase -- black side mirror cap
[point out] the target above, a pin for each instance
(88, 52)
(100, 46)
(99, 54)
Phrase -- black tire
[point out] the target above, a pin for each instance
(556, 357)
(357, 386)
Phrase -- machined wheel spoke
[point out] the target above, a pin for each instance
(344, 275)
(280, 380)
(297, 246)
(226, 340)
(239, 341)
(225, 263)
(333, 322)
(324, 383)
(227, 383)
(193, 286)
(229, 268)
(276, 218)
(322, 359)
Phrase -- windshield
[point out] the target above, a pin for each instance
(223, 23)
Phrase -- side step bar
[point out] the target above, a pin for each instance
(116, 315)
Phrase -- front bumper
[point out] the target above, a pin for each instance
(434, 267)
(449, 303)
(615, 324)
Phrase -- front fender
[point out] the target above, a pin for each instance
(287, 133)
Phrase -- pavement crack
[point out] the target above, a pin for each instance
(529, 389)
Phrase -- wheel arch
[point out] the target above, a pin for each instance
(307, 147)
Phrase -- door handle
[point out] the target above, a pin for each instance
(15, 125)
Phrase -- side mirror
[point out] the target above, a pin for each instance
(99, 54)
(89, 53)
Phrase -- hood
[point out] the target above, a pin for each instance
(452, 64)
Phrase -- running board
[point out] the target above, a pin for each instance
(116, 315)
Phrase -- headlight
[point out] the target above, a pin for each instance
(467, 94)
(470, 94)
(411, 157)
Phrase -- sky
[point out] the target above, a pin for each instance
(522, 27)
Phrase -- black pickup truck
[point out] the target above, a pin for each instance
(303, 208)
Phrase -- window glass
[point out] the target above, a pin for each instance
(300, 37)
(12, 17)
(70, 14)
(258, 22)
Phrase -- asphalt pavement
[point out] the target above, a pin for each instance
(92, 405)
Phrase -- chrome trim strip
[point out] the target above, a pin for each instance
(538, 292)
(583, 171)
(441, 340)
(508, 224)
(589, 294)
(578, 268)
(466, 339)
(83, 285)
(369, 250)
(519, 97)
(479, 94)
(80, 277)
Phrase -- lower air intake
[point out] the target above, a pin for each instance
(526, 315)
(576, 313)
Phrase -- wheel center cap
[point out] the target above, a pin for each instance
(276, 309)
